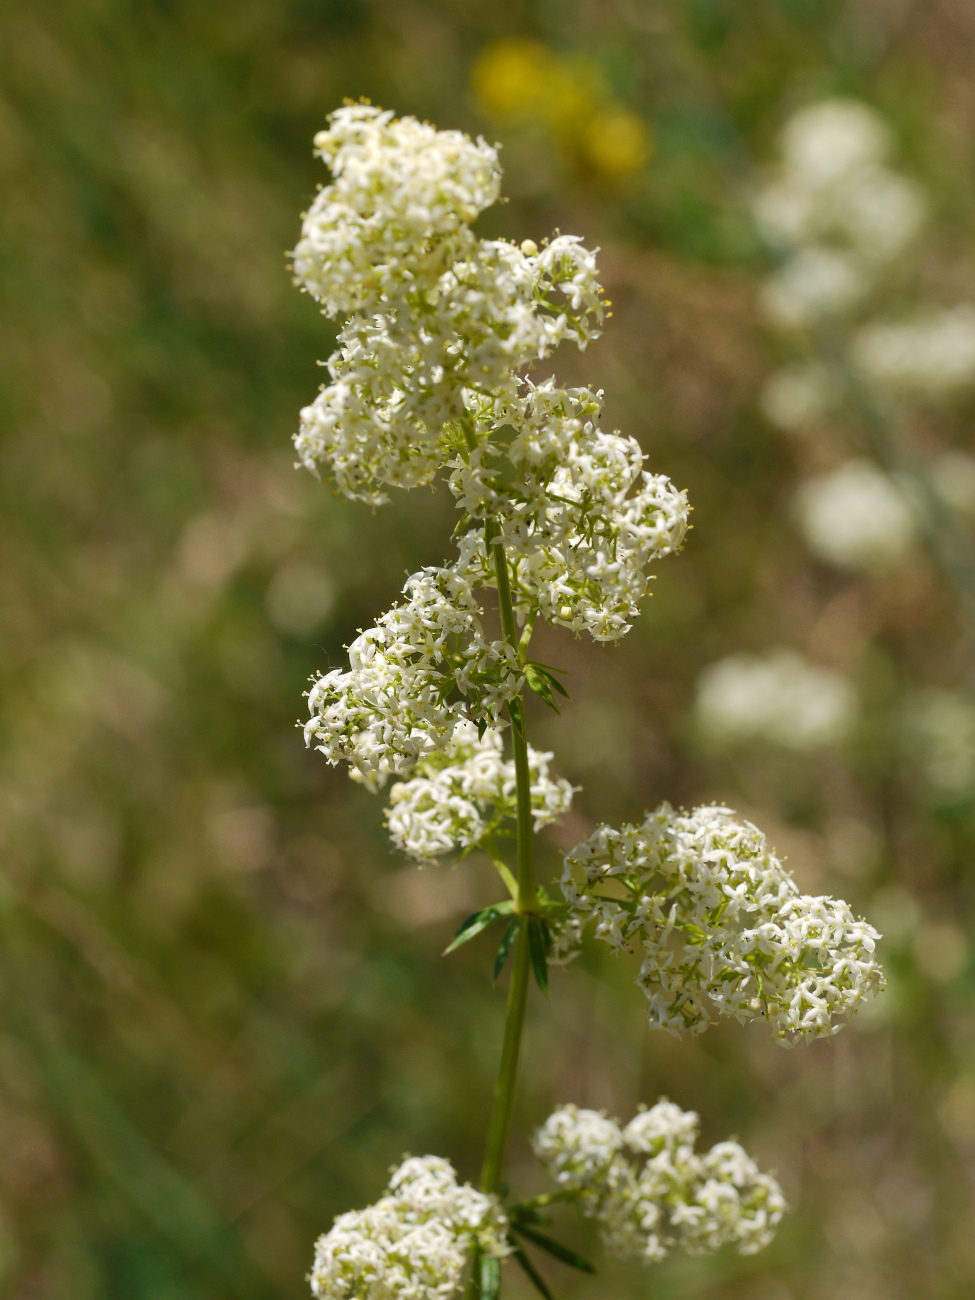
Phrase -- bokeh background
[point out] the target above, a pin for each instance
(224, 1010)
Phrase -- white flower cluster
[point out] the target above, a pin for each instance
(649, 1190)
(426, 370)
(840, 216)
(856, 517)
(721, 924)
(778, 698)
(836, 210)
(437, 315)
(933, 354)
(464, 793)
(413, 1243)
(939, 728)
(395, 703)
(580, 518)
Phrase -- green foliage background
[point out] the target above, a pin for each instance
(224, 1012)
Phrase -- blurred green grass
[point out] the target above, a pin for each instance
(225, 1014)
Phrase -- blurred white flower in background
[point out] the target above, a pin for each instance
(855, 517)
(779, 698)
(933, 355)
(940, 731)
(829, 141)
(813, 284)
(798, 395)
(835, 210)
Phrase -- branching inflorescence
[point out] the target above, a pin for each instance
(561, 520)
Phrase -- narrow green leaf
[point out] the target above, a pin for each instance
(528, 1268)
(539, 942)
(516, 716)
(555, 1248)
(478, 922)
(549, 673)
(490, 1276)
(541, 684)
(527, 1214)
(507, 939)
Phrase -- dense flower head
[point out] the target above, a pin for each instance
(579, 517)
(412, 678)
(649, 1190)
(418, 362)
(721, 925)
(856, 517)
(413, 1243)
(436, 315)
(400, 189)
(778, 698)
(464, 793)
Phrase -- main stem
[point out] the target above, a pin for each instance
(525, 903)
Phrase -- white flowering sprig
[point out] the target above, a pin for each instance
(414, 1242)
(647, 1188)
(465, 795)
(560, 520)
(721, 925)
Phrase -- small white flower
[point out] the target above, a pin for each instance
(833, 188)
(856, 517)
(650, 1192)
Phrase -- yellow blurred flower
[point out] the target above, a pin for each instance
(521, 80)
(617, 142)
(510, 78)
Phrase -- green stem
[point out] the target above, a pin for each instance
(504, 1088)
(525, 903)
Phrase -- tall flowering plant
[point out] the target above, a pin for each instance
(559, 520)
